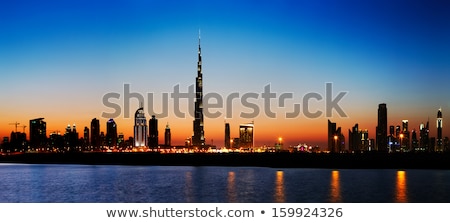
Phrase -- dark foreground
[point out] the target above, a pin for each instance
(275, 160)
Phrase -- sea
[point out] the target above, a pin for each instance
(56, 183)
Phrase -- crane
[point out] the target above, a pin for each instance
(16, 124)
(23, 126)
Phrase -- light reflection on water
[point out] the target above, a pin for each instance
(90, 183)
(335, 189)
(401, 192)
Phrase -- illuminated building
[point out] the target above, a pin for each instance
(198, 138)
(227, 142)
(424, 140)
(38, 133)
(246, 135)
(153, 138)
(95, 134)
(86, 137)
(111, 133)
(381, 129)
(358, 140)
(140, 128)
(439, 142)
(414, 141)
(404, 136)
(71, 138)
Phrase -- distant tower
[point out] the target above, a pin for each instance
(153, 139)
(439, 142)
(381, 129)
(111, 133)
(38, 133)
(167, 136)
(405, 139)
(95, 133)
(198, 139)
(336, 140)
(227, 136)
(86, 136)
(140, 128)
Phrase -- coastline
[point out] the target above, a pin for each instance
(273, 160)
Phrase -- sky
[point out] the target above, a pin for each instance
(58, 60)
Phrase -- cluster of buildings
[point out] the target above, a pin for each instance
(391, 138)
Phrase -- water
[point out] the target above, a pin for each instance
(97, 183)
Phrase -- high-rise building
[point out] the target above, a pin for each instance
(111, 133)
(381, 129)
(198, 138)
(336, 140)
(246, 135)
(404, 136)
(71, 138)
(38, 133)
(167, 136)
(140, 128)
(424, 140)
(95, 134)
(86, 137)
(227, 142)
(439, 142)
(414, 141)
(358, 140)
(153, 138)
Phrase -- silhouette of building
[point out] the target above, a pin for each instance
(86, 137)
(336, 140)
(439, 142)
(17, 142)
(381, 129)
(167, 136)
(153, 138)
(140, 128)
(414, 141)
(227, 142)
(38, 133)
(121, 141)
(246, 135)
(71, 138)
(358, 140)
(95, 134)
(424, 141)
(198, 138)
(111, 133)
(404, 136)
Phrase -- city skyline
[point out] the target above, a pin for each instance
(57, 64)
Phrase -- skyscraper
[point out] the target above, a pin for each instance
(167, 136)
(336, 140)
(439, 142)
(111, 133)
(153, 138)
(227, 143)
(404, 136)
(198, 138)
(85, 137)
(424, 140)
(246, 135)
(38, 133)
(381, 129)
(358, 140)
(140, 128)
(95, 133)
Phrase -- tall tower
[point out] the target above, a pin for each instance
(439, 131)
(153, 139)
(198, 139)
(382, 128)
(38, 133)
(227, 143)
(167, 137)
(111, 133)
(140, 128)
(95, 133)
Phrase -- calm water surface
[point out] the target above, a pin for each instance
(91, 183)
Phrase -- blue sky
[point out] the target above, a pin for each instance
(58, 58)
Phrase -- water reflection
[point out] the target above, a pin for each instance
(231, 188)
(401, 192)
(188, 187)
(335, 188)
(279, 187)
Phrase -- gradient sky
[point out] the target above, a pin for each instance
(58, 59)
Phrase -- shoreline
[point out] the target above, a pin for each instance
(273, 160)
